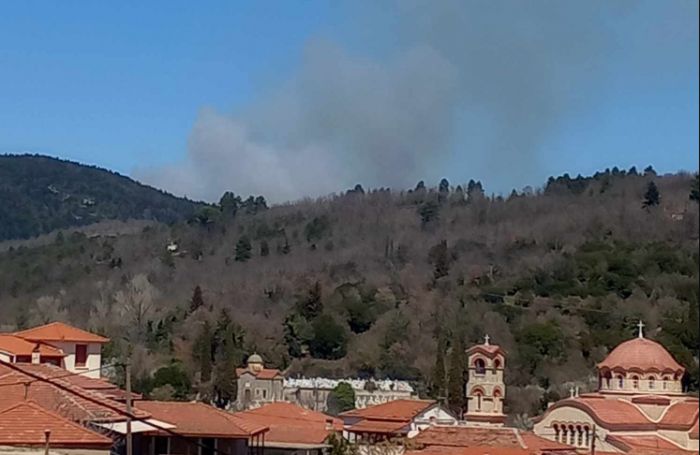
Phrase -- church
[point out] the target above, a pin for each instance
(639, 405)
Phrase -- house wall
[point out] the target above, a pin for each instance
(6, 357)
(94, 358)
(575, 417)
(261, 390)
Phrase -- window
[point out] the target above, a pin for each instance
(161, 445)
(664, 383)
(80, 355)
(264, 393)
(620, 382)
(652, 383)
(480, 366)
(207, 446)
(635, 382)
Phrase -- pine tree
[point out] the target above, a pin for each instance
(197, 301)
(243, 249)
(456, 382)
(440, 258)
(651, 197)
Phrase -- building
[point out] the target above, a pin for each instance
(28, 426)
(313, 393)
(258, 385)
(393, 420)
(485, 389)
(639, 405)
(293, 430)
(196, 423)
(57, 343)
(480, 440)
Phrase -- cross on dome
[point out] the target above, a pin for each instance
(487, 338)
(640, 325)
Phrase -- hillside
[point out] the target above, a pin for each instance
(382, 283)
(40, 194)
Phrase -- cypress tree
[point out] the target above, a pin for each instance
(243, 249)
(456, 382)
(651, 197)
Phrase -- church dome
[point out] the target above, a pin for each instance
(643, 355)
(255, 358)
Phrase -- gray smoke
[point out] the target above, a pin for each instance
(467, 89)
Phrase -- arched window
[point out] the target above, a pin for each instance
(635, 382)
(497, 364)
(586, 436)
(572, 435)
(579, 438)
(564, 435)
(620, 382)
(478, 400)
(557, 433)
(652, 383)
(664, 382)
(480, 366)
(607, 377)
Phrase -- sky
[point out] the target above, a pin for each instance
(290, 99)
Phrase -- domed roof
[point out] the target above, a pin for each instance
(255, 358)
(643, 355)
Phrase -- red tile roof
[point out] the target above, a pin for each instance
(380, 426)
(402, 410)
(57, 394)
(290, 424)
(490, 350)
(641, 354)
(681, 414)
(15, 345)
(611, 413)
(198, 419)
(695, 430)
(498, 437)
(265, 373)
(25, 423)
(58, 331)
(645, 444)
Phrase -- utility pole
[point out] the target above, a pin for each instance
(47, 446)
(129, 448)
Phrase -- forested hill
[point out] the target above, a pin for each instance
(384, 283)
(39, 194)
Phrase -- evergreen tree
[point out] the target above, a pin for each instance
(437, 386)
(243, 249)
(439, 256)
(456, 376)
(264, 248)
(651, 196)
(310, 304)
(340, 399)
(695, 189)
(196, 301)
(228, 355)
(229, 204)
(202, 351)
(475, 190)
(429, 212)
(649, 170)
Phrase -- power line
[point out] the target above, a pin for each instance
(175, 434)
(67, 375)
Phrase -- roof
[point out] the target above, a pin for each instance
(645, 444)
(25, 424)
(43, 385)
(58, 331)
(611, 413)
(290, 424)
(265, 373)
(641, 354)
(476, 450)
(404, 410)
(198, 419)
(682, 413)
(379, 426)
(502, 437)
(15, 345)
(490, 350)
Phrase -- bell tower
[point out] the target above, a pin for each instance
(485, 385)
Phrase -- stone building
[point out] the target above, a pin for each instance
(258, 385)
(485, 386)
(639, 404)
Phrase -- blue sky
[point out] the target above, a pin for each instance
(296, 98)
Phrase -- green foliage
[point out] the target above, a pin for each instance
(651, 196)
(539, 343)
(228, 341)
(40, 194)
(456, 384)
(341, 399)
(243, 249)
(438, 380)
(330, 338)
(175, 376)
(695, 189)
(429, 212)
(317, 228)
(440, 257)
(229, 204)
(202, 351)
(197, 301)
(310, 305)
(298, 333)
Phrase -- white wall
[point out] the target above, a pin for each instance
(94, 358)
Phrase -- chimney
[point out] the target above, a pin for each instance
(36, 355)
(329, 424)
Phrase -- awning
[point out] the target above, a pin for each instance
(137, 426)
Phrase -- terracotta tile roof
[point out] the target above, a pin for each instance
(532, 441)
(19, 346)
(58, 331)
(197, 419)
(641, 354)
(291, 424)
(489, 349)
(645, 444)
(265, 373)
(610, 412)
(24, 424)
(58, 395)
(484, 450)
(379, 426)
(404, 410)
(497, 437)
(682, 414)
(695, 430)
